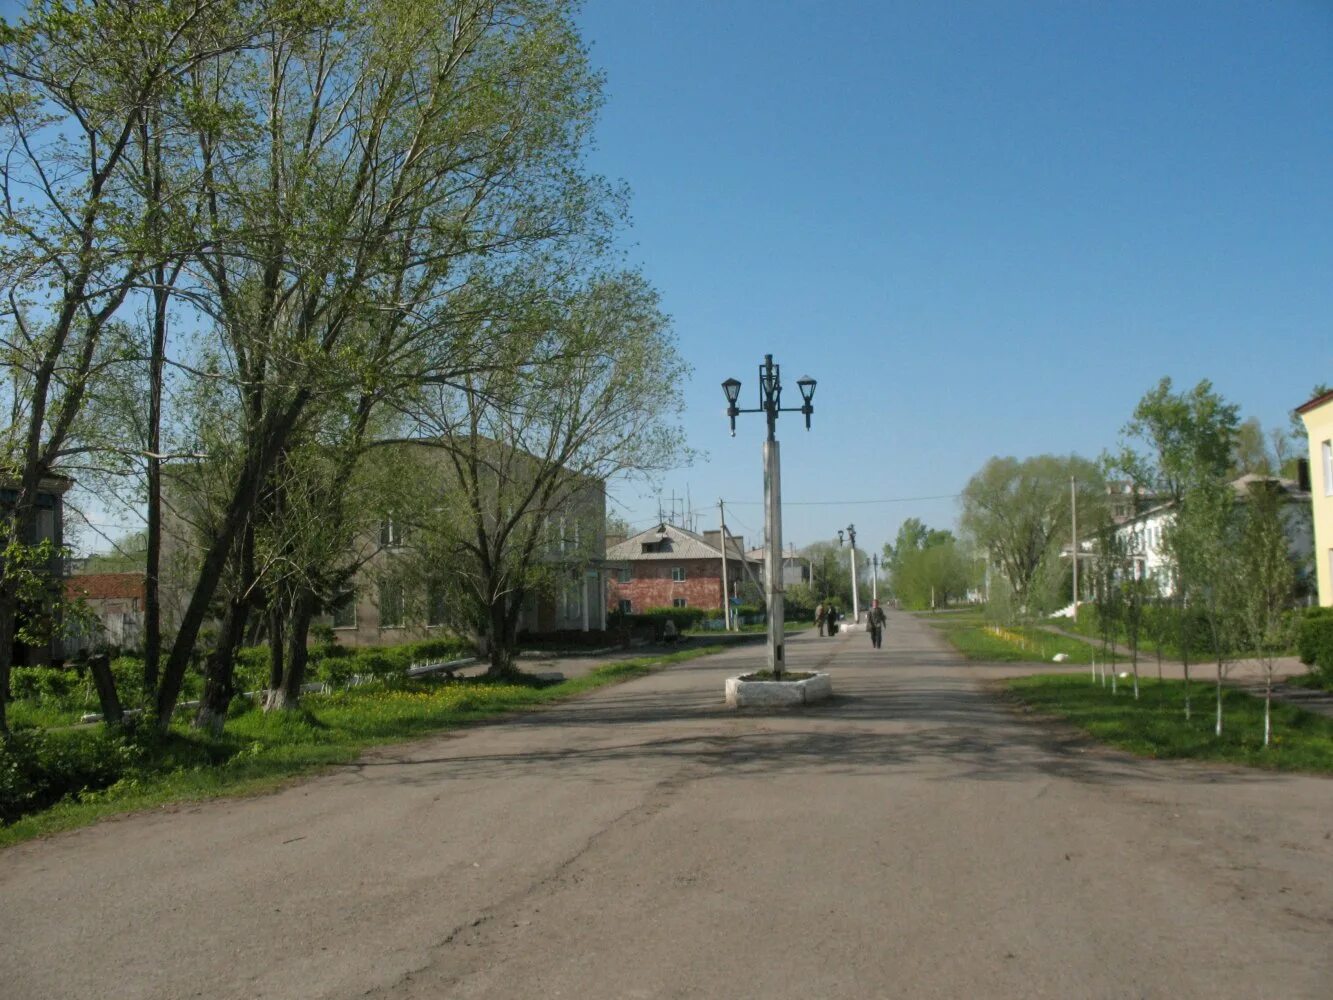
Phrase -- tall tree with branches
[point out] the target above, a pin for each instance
(380, 159)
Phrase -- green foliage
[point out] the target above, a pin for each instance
(51, 781)
(934, 575)
(1184, 438)
(42, 682)
(1314, 641)
(684, 618)
(1018, 513)
(38, 769)
(1154, 725)
(993, 643)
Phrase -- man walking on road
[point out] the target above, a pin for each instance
(875, 623)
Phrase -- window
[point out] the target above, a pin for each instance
(391, 605)
(343, 611)
(391, 533)
(435, 605)
(46, 524)
(626, 608)
(1327, 448)
(574, 597)
(677, 574)
(624, 574)
(678, 602)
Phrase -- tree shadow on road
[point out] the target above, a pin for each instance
(939, 727)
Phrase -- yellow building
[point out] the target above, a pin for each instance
(1318, 417)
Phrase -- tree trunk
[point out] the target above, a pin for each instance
(219, 674)
(7, 619)
(105, 682)
(1268, 704)
(1218, 731)
(287, 695)
(275, 643)
(502, 640)
(240, 506)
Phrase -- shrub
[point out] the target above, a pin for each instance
(252, 669)
(42, 683)
(444, 648)
(1314, 641)
(38, 769)
(683, 617)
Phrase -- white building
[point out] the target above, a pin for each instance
(1142, 534)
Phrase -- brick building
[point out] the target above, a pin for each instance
(667, 566)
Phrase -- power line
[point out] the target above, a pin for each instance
(846, 503)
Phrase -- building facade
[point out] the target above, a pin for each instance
(386, 607)
(1317, 414)
(1143, 535)
(668, 566)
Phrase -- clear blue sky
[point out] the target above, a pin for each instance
(986, 228)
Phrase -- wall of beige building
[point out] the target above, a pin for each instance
(1318, 418)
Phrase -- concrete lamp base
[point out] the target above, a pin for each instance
(742, 693)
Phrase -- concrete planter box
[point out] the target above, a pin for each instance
(768, 694)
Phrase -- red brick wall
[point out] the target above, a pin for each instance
(652, 586)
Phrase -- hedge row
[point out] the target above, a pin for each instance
(72, 687)
(1314, 640)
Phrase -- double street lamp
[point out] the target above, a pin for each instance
(770, 404)
(856, 606)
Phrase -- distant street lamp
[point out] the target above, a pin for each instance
(770, 404)
(851, 535)
(874, 560)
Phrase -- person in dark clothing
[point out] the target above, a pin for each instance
(875, 624)
(832, 620)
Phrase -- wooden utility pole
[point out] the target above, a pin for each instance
(726, 591)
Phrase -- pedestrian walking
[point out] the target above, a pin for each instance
(875, 623)
(819, 616)
(832, 616)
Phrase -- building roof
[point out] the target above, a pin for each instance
(105, 586)
(1241, 486)
(670, 543)
(1315, 403)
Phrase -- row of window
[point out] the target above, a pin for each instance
(625, 575)
(392, 608)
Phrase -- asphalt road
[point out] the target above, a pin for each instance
(912, 838)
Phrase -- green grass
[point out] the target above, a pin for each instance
(1155, 725)
(1315, 680)
(972, 637)
(259, 752)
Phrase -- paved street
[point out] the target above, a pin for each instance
(912, 838)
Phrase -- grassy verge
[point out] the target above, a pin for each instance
(258, 752)
(1155, 725)
(976, 640)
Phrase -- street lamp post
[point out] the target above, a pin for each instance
(770, 404)
(874, 561)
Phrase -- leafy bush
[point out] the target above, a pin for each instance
(444, 648)
(34, 683)
(38, 769)
(1314, 641)
(252, 669)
